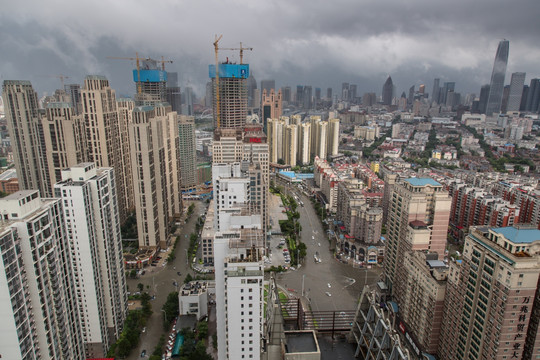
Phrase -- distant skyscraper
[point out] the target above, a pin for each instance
(352, 92)
(436, 91)
(482, 103)
(26, 133)
(299, 95)
(268, 85)
(251, 87)
(188, 152)
(173, 91)
(187, 102)
(447, 86)
(286, 92)
(329, 94)
(516, 90)
(272, 106)
(497, 78)
(232, 104)
(533, 98)
(524, 96)
(317, 94)
(388, 92)
(345, 91)
(308, 98)
(410, 99)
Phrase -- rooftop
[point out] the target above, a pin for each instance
(301, 342)
(422, 182)
(519, 235)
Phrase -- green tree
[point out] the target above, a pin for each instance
(133, 274)
(145, 302)
(140, 286)
(202, 330)
(170, 308)
(302, 249)
(188, 278)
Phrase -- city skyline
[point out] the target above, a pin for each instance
(329, 44)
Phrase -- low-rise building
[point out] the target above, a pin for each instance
(193, 299)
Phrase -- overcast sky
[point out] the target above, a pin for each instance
(310, 42)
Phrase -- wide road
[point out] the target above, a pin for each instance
(343, 282)
(159, 280)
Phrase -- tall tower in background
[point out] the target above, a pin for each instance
(26, 133)
(188, 152)
(482, 103)
(172, 90)
(232, 106)
(436, 91)
(251, 87)
(272, 106)
(388, 91)
(497, 78)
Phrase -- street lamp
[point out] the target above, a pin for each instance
(165, 314)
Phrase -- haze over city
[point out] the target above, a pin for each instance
(302, 42)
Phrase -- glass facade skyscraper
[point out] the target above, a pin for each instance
(497, 78)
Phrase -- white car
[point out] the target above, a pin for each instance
(328, 294)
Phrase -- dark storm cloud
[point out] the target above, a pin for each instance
(318, 43)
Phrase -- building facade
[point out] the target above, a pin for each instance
(93, 229)
(415, 199)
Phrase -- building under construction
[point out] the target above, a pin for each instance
(232, 95)
(151, 83)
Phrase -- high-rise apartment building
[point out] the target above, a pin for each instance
(491, 310)
(153, 137)
(304, 143)
(188, 152)
(125, 108)
(421, 297)
(497, 78)
(239, 270)
(64, 138)
(329, 94)
(516, 90)
(290, 145)
(39, 302)
(26, 133)
(388, 92)
(333, 137)
(230, 102)
(418, 213)
(321, 139)
(103, 134)
(93, 233)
